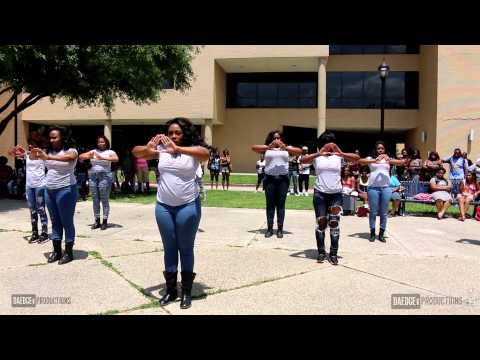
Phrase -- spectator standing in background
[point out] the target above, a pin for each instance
(142, 172)
(260, 167)
(415, 165)
(401, 170)
(458, 165)
(293, 174)
(6, 175)
(128, 170)
(431, 166)
(304, 173)
(465, 156)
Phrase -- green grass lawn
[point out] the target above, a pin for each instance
(234, 179)
(253, 200)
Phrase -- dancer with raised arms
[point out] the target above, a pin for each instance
(35, 185)
(178, 210)
(379, 190)
(100, 178)
(276, 177)
(327, 196)
(61, 195)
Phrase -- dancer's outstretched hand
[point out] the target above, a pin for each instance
(383, 157)
(170, 146)
(17, 151)
(39, 154)
(154, 142)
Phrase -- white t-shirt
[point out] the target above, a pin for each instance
(60, 173)
(35, 173)
(199, 173)
(101, 165)
(304, 168)
(276, 162)
(327, 169)
(379, 174)
(260, 166)
(176, 179)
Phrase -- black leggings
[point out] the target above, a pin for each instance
(276, 188)
(260, 180)
(303, 178)
(214, 175)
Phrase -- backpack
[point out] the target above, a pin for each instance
(362, 211)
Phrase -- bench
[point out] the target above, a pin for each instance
(412, 188)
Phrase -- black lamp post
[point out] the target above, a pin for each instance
(383, 70)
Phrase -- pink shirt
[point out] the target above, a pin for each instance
(141, 164)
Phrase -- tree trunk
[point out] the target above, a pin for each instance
(27, 102)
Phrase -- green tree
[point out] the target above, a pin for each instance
(91, 75)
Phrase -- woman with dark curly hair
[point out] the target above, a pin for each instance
(226, 167)
(61, 195)
(178, 210)
(100, 176)
(213, 165)
(276, 177)
(431, 166)
(415, 165)
(379, 190)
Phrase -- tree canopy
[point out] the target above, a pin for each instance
(91, 75)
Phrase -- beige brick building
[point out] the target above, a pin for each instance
(241, 92)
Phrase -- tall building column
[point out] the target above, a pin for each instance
(107, 130)
(208, 131)
(322, 95)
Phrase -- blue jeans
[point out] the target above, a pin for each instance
(36, 204)
(61, 207)
(100, 185)
(293, 179)
(178, 226)
(378, 199)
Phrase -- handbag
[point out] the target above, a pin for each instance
(477, 214)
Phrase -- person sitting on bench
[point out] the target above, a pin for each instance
(441, 189)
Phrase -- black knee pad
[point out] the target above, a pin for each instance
(334, 217)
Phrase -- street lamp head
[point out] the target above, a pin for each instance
(383, 69)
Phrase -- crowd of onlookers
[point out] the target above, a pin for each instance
(219, 163)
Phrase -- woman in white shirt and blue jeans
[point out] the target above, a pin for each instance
(379, 190)
(276, 181)
(61, 195)
(178, 209)
(100, 178)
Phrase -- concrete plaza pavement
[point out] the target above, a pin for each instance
(119, 270)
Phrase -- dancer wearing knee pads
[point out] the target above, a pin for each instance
(327, 197)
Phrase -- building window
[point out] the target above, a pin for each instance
(362, 90)
(272, 90)
(373, 49)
